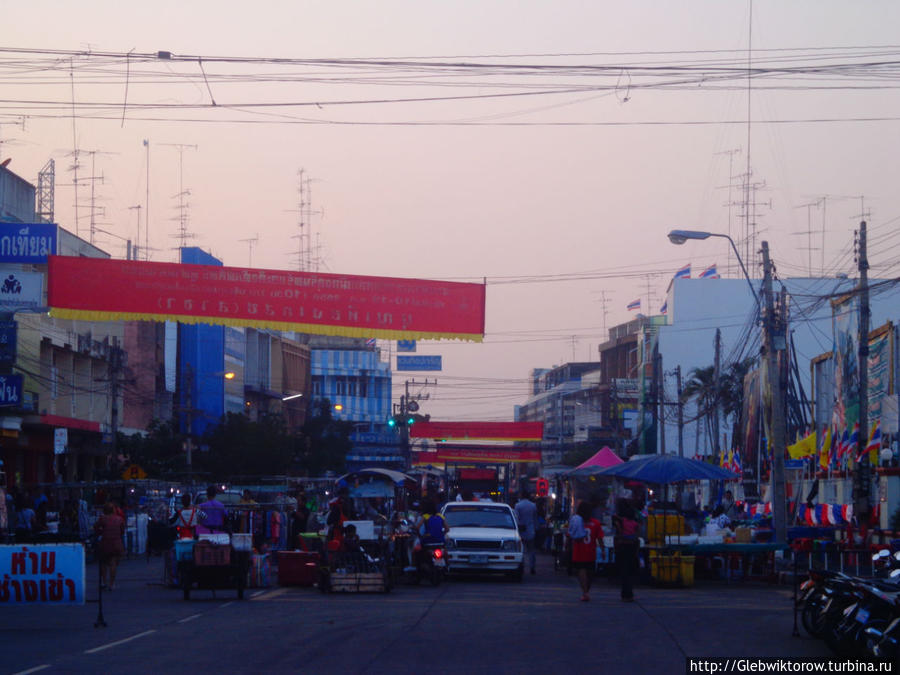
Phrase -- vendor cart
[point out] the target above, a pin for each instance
(361, 570)
(212, 564)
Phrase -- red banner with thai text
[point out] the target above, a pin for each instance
(100, 289)
(495, 431)
(463, 455)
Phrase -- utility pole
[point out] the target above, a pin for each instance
(680, 413)
(662, 405)
(862, 476)
(115, 365)
(189, 411)
(615, 418)
(771, 345)
(717, 449)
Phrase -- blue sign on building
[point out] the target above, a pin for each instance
(418, 362)
(7, 342)
(27, 242)
(406, 345)
(10, 390)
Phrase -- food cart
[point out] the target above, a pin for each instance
(213, 562)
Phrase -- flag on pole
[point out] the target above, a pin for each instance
(842, 445)
(736, 465)
(805, 447)
(634, 304)
(370, 342)
(683, 273)
(853, 441)
(874, 444)
(710, 273)
(825, 451)
(665, 307)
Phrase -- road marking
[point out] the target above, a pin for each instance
(189, 618)
(268, 595)
(33, 670)
(119, 642)
(227, 604)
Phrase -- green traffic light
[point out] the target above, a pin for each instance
(392, 422)
(411, 421)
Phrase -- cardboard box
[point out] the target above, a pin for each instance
(368, 582)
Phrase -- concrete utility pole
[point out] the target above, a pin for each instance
(661, 404)
(680, 412)
(862, 477)
(717, 448)
(115, 366)
(771, 345)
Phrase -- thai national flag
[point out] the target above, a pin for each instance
(854, 440)
(634, 304)
(710, 273)
(874, 444)
(370, 342)
(665, 307)
(683, 273)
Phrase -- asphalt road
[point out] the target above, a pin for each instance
(470, 625)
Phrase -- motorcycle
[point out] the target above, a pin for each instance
(858, 613)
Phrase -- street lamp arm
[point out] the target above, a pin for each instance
(681, 236)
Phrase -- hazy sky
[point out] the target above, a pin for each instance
(621, 128)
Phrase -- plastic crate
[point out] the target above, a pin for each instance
(207, 554)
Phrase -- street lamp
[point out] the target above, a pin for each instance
(779, 515)
(681, 236)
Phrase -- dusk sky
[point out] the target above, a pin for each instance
(547, 147)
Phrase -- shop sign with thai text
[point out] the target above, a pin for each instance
(27, 243)
(42, 574)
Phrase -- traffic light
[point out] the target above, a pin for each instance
(392, 422)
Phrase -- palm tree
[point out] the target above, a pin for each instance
(727, 393)
(701, 385)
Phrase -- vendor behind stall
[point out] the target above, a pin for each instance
(216, 515)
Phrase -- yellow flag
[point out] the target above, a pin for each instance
(805, 447)
(825, 452)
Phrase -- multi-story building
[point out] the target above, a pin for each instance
(556, 393)
(57, 430)
(350, 374)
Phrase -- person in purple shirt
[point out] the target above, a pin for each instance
(215, 513)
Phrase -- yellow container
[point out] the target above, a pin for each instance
(672, 569)
(661, 525)
(664, 568)
(687, 570)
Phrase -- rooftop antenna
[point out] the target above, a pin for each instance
(183, 235)
(134, 251)
(305, 259)
(808, 232)
(731, 177)
(250, 243)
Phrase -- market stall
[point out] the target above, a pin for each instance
(671, 559)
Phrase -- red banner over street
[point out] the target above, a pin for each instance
(464, 455)
(495, 431)
(100, 289)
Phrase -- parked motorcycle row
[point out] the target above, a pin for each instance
(858, 618)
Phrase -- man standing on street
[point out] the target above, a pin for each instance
(526, 514)
(214, 511)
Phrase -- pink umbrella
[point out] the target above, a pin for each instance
(603, 459)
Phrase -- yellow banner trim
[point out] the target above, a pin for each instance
(311, 328)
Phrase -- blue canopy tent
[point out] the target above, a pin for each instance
(666, 469)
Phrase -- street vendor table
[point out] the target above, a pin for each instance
(745, 551)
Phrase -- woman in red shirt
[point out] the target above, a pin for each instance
(584, 532)
(110, 527)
